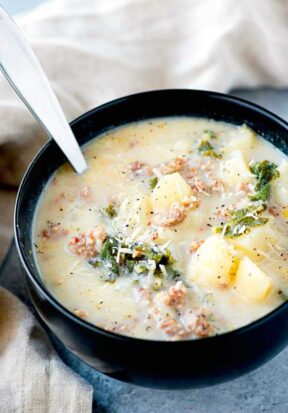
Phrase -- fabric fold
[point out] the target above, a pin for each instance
(33, 379)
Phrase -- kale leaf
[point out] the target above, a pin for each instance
(206, 149)
(139, 260)
(153, 182)
(263, 194)
(265, 172)
(107, 260)
(242, 220)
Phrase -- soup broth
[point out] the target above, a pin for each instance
(177, 230)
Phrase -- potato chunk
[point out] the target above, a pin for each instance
(134, 214)
(170, 188)
(234, 169)
(258, 240)
(251, 283)
(280, 185)
(242, 139)
(213, 263)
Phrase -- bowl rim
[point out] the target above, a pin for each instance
(92, 327)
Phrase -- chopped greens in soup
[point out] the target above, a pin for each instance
(178, 229)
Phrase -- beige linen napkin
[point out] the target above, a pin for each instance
(94, 51)
(33, 379)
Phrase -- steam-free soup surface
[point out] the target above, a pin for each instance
(177, 230)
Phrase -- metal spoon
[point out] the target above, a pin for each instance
(23, 71)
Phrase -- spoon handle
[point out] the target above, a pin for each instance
(23, 71)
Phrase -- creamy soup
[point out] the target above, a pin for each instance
(177, 230)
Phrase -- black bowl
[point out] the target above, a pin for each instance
(192, 363)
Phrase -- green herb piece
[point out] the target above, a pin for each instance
(110, 211)
(206, 149)
(109, 249)
(153, 182)
(112, 270)
(148, 261)
(265, 172)
(156, 254)
(107, 257)
(263, 194)
(242, 220)
(252, 209)
(168, 258)
(237, 229)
